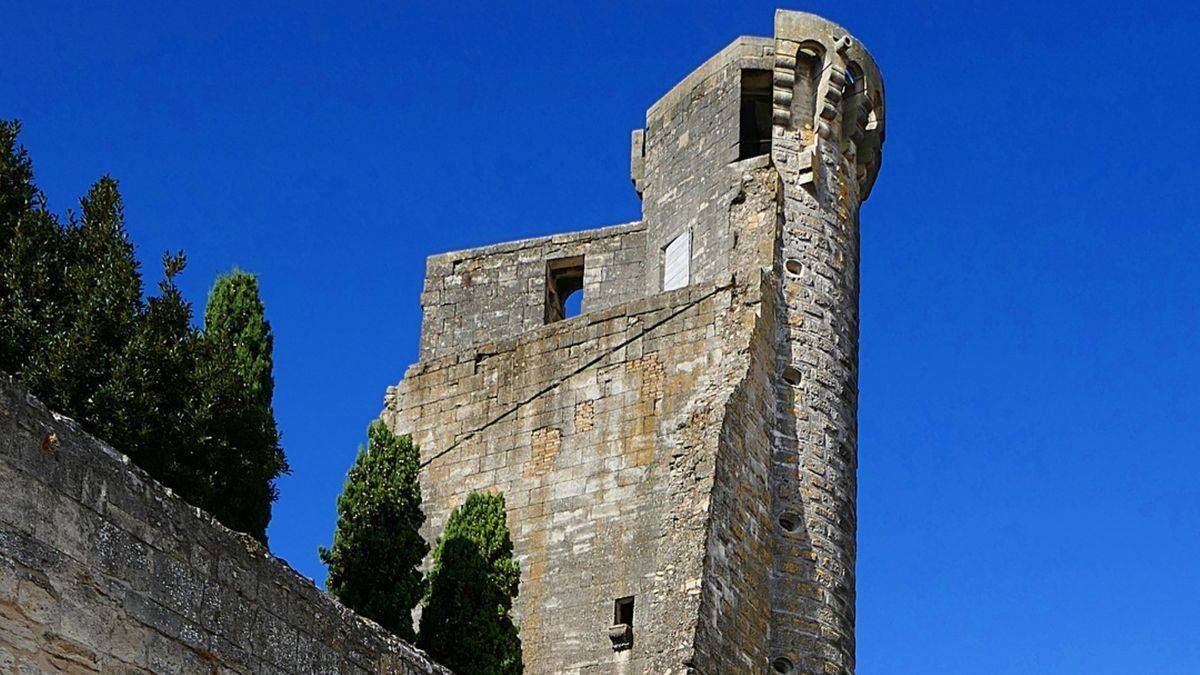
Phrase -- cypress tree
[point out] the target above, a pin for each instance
(193, 410)
(377, 547)
(467, 621)
(145, 402)
(101, 299)
(18, 193)
(233, 408)
(32, 259)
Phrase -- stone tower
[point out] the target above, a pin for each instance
(679, 459)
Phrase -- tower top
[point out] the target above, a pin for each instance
(811, 80)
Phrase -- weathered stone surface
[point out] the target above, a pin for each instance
(696, 448)
(104, 570)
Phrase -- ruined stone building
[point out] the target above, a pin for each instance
(679, 458)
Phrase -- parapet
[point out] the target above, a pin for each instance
(494, 292)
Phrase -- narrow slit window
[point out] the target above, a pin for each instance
(754, 131)
(564, 288)
(804, 97)
(677, 262)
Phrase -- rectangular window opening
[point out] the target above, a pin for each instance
(677, 262)
(623, 612)
(564, 288)
(621, 632)
(754, 130)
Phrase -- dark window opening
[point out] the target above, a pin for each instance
(856, 107)
(564, 288)
(789, 521)
(791, 375)
(754, 131)
(623, 611)
(621, 632)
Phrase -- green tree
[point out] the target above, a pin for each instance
(193, 409)
(377, 547)
(18, 193)
(32, 259)
(467, 621)
(233, 406)
(100, 302)
(145, 403)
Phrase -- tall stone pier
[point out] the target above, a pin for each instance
(679, 459)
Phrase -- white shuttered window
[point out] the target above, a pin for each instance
(677, 262)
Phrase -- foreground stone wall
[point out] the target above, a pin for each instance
(104, 570)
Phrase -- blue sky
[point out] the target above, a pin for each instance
(1030, 293)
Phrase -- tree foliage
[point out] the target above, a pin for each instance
(101, 294)
(233, 404)
(144, 404)
(192, 408)
(33, 253)
(377, 547)
(467, 620)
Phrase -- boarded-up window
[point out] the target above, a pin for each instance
(677, 262)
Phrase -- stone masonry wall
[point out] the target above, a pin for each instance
(602, 432)
(826, 153)
(691, 172)
(498, 291)
(104, 570)
(696, 449)
(733, 634)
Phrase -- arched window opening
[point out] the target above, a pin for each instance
(856, 105)
(809, 63)
(564, 279)
(573, 305)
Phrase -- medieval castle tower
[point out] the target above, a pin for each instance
(679, 459)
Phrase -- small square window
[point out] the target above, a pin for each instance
(623, 611)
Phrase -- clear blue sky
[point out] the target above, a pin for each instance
(1030, 294)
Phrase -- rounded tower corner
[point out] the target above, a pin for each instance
(828, 100)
